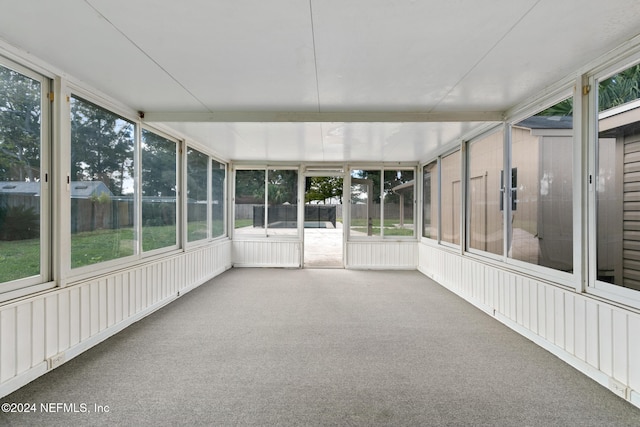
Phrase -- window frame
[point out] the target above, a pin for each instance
(44, 279)
(81, 271)
(382, 168)
(435, 198)
(265, 233)
(184, 205)
(458, 149)
(502, 127)
(139, 165)
(568, 279)
(608, 291)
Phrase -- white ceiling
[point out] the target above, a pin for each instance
(328, 62)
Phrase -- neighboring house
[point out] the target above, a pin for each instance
(79, 189)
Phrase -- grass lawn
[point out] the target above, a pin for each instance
(391, 227)
(239, 223)
(19, 259)
(92, 247)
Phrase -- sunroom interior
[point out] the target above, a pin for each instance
(148, 147)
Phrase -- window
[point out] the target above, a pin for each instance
(382, 203)
(218, 181)
(197, 194)
(617, 179)
(102, 185)
(159, 206)
(249, 202)
(23, 186)
(450, 198)
(541, 217)
(282, 202)
(278, 208)
(430, 200)
(485, 220)
(365, 203)
(398, 203)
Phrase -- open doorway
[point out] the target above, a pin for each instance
(323, 231)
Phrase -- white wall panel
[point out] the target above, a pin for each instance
(633, 337)
(619, 349)
(7, 344)
(74, 316)
(51, 325)
(598, 338)
(605, 339)
(570, 324)
(382, 255)
(38, 329)
(64, 320)
(580, 346)
(266, 253)
(23, 338)
(70, 320)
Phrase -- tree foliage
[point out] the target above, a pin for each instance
(158, 165)
(324, 188)
(20, 115)
(102, 146)
(612, 92)
(283, 187)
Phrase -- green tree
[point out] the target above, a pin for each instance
(250, 185)
(616, 90)
(197, 184)
(619, 89)
(20, 112)
(323, 188)
(158, 165)
(283, 187)
(102, 146)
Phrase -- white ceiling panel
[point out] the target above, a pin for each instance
(250, 58)
(325, 142)
(552, 41)
(71, 36)
(403, 55)
(232, 55)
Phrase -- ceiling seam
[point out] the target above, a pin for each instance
(474, 66)
(147, 55)
(315, 59)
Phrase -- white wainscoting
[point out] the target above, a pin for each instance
(266, 253)
(597, 338)
(41, 332)
(382, 255)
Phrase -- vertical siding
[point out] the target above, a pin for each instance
(382, 255)
(589, 333)
(266, 253)
(81, 315)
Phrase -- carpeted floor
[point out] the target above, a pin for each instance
(320, 347)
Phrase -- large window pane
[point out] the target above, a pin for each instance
(218, 180)
(542, 190)
(365, 203)
(282, 198)
(398, 203)
(197, 194)
(450, 198)
(430, 201)
(159, 205)
(618, 180)
(102, 187)
(485, 196)
(249, 202)
(20, 180)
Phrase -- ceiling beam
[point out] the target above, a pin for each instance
(324, 117)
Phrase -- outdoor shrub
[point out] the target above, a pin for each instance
(19, 223)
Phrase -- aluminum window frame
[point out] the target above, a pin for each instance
(44, 279)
